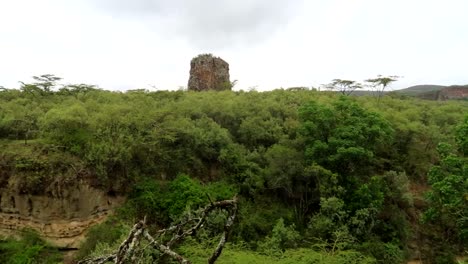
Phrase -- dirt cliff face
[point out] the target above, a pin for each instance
(454, 92)
(449, 93)
(50, 191)
(62, 219)
(209, 73)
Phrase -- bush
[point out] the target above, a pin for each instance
(184, 193)
(281, 238)
(163, 202)
(146, 199)
(107, 232)
(385, 253)
(30, 248)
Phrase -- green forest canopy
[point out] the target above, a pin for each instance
(314, 170)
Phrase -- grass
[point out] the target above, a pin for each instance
(234, 255)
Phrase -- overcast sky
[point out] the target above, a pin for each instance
(128, 44)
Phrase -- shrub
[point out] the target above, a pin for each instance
(107, 232)
(30, 248)
(385, 253)
(281, 238)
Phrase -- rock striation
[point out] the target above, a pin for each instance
(453, 93)
(209, 73)
(62, 220)
(440, 93)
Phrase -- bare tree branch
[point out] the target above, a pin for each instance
(224, 237)
(99, 260)
(164, 249)
(179, 231)
(216, 205)
(127, 247)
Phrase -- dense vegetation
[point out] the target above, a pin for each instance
(29, 248)
(322, 178)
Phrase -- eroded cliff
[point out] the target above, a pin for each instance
(49, 192)
(62, 220)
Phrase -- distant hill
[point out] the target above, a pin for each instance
(419, 89)
(425, 91)
(437, 92)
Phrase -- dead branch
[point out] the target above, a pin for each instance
(204, 213)
(179, 231)
(127, 247)
(224, 237)
(98, 260)
(164, 249)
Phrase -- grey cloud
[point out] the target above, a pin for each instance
(208, 23)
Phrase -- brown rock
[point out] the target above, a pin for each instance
(453, 92)
(61, 220)
(209, 73)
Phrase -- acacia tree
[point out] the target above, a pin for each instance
(380, 83)
(75, 89)
(43, 85)
(46, 81)
(345, 87)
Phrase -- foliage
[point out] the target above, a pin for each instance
(67, 126)
(254, 224)
(339, 171)
(448, 197)
(281, 238)
(163, 202)
(343, 138)
(33, 167)
(380, 83)
(385, 253)
(462, 137)
(101, 234)
(238, 254)
(345, 87)
(28, 249)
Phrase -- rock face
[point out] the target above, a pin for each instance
(62, 219)
(209, 73)
(453, 92)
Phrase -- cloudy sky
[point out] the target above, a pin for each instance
(127, 44)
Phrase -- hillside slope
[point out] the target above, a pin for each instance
(436, 92)
(420, 89)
